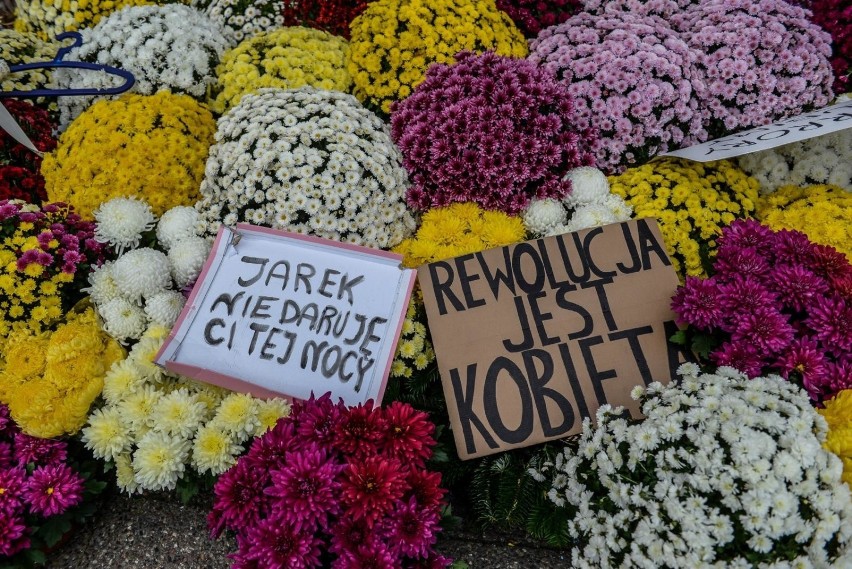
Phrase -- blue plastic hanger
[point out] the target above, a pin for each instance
(129, 80)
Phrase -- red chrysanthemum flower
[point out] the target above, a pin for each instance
(11, 485)
(316, 421)
(348, 534)
(367, 556)
(829, 263)
(276, 543)
(20, 176)
(360, 430)
(698, 303)
(51, 490)
(333, 16)
(532, 16)
(267, 452)
(411, 529)
(370, 487)
(240, 499)
(306, 488)
(13, 537)
(408, 434)
(425, 487)
(40, 452)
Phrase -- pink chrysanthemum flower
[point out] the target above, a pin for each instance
(741, 262)
(11, 485)
(40, 452)
(804, 359)
(13, 537)
(741, 356)
(373, 555)
(316, 421)
(746, 294)
(796, 286)
(698, 303)
(306, 489)
(767, 329)
(276, 543)
(371, 487)
(742, 233)
(408, 434)
(410, 529)
(831, 320)
(51, 490)
(267, 452)
(240, 499)
(7, 457)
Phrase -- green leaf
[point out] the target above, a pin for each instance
(53, 529)
(186, 490)
(703, 344)
(36, 556)
(679, 338)
(459, 565)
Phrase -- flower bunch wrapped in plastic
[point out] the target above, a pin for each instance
(725, 471)
(775, 303)
(757, 61)
(837, 412)
(45, 255)
(49, 18)
(18, 48)
(492, 130)
(825, 159)
(148, 146)
(395, 41)
(835, 17)
(332, 486)
(632, 79)
(286, 58)
(532, 16)
(691, 201)
(39, 484)
(173, 48)
(823, 213)
(50, 379)
(20, 176)
(161, 429)
(308, 161)
(142, 287)
(589, 204)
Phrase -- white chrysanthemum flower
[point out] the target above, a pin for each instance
(542, 215)
(160, 460)
(121, 222)
(269, 412)
(124, 475)
(214, 450)
(588, 185)
(179, 413)
(177, 224)
(591, 215)
(102, 286)
(106, 434)
(143, 354)
(123, 320)
(186, 259)
(138, 407)
(237, 414)
(142, 273)
(122, 379)
(164, 308)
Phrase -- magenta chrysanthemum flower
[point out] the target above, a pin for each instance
(240, 500)
(746, 295)
(492, 130)
(267, 452)
(371, 487)
(7, 425)
(51, 490)
(408, 434)
(532, 16)
(746, 233)
(360, 430)
(698, 303)
(13, 534)
(374, 555)
(425, 488)
(306, 488)
(838, 376)
(276, 543)
(741, 356)
(316, 421)
(767, 329)
(11, 485)
(829, 263)
(410, 529)
(40, 452)
(796, 286)
(831, 320)
(7, 457)
(804, 358)
(792, 247)
(734, 262)
(349, 534)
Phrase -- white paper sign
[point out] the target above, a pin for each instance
(277, 313)
(809, 125)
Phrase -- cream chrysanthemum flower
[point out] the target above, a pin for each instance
(176, 225)
(102, 286)
(543, 215)
(121, 222)
(164, 308)
(268, 413)
(124, 475)
(179, 413)
(589, 185)
(237, 414)
(214, 450)
(122, 379)
(591, 215)
(186, 258)
(143, 353)
(136, 409)
(160, 461)
(123, 320)
(106, 435)
(142, 273)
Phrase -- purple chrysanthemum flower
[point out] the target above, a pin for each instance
(11, 486)
(745, 233)
(275, 542)
(411, 529)
(735, 262)
(13, 534)
(796, 286)
(316, 422)
(51, 490)
(767, 329)
(791, 247)
(373, 555)
(306, 488)
(240, 500)
(741, 356)
(804, 358)
(698, 303)
(746, 294)
(40, 452)
(831, 320)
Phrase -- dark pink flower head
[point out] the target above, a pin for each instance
(746, 294)
(13, 537)
(51, 490)
(11, 487)
(411, 529)
(371, 486)
(796, 286)
(805, 359)
(434, 561)
(837, 377)
(408, 434)
(316, 421)
(739, 355)
(791, 247)
(746, 233)
(698, 302)
(425, 488)
(765, 328)
(268, 451)
(306, 488)
(532, 16)
(360, 430)
(239, 498)
(7, 458)
(372, 555)
(829, 263)
(275, 543)
(830, 318)
(40, 452)
(349, 533)
(733, 262)
(7, 425)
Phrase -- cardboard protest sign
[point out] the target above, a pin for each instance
(533, 337)
(277, 313)
(808, 125)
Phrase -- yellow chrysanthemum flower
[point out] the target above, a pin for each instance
(838, 415)
(237, 414)
(214, 450)
(269, 412)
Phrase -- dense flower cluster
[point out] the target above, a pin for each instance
(663, 8)
(837, 412)
(758, 61)
(337, 487)
(824, 159)
(723, 472)
(36, 484)
(835, 17)
(823, 213)
(20, 178)
(414, 351)
(48, 18)
(395, 41)
(691, 201)
(286, 58)
(149, 146)
(333, 16)
(777, 303)
(308, 161)
(492, 130)
(45, 255)
(143, 286)
(173, 48)
(19, 48)
(532, 16)
(51, 379)
(632, 78)
(459, 229)
(155, 425)
(589, 204)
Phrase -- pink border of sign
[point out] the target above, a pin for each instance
(238, 384)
